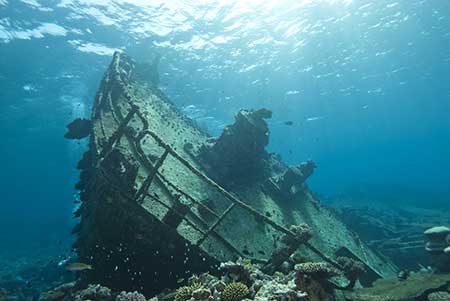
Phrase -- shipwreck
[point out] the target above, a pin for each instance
(161, 199)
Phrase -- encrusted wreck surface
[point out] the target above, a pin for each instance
(161, 199)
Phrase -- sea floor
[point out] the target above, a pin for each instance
(395, 230)
(26, 272)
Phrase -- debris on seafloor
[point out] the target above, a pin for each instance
(395, 231)
(425, 285)
(403, 275)
(438, 247)
(436, 239)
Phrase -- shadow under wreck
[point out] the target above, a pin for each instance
(161, 199)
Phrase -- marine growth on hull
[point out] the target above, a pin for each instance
(175, 214)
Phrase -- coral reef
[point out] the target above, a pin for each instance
(273, 290)
(302, 234)
(352, 270)
(130, 296)
(201, 294)
(316, 270)
(94, 292)
(235, 291)
(59, 292)
(312, 278)
(310, 281)
(184, 293)
(236, 271)
(263, 287)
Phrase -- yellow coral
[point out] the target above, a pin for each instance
(235, 291)
(184, 293)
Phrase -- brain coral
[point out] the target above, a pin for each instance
(235, 291)
(184, 293)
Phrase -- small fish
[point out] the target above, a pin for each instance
(289, 123)
(180, 280)
(78, 266)
(63, 261)
(139, 236)
(315, 118)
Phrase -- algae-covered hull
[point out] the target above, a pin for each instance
(161, 199)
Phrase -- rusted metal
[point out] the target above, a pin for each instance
(216, 223)
(118, 133)
(148, 181)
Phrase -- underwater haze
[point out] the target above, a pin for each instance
(362, 87)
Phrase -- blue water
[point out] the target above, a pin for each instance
(365, 83)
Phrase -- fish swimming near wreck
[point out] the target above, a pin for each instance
(78, 267)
